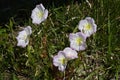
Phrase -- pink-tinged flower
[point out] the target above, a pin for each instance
(70, 53)
(39, 14)
(60, 61)
(77, 41)
(87, 26)
(23, 37)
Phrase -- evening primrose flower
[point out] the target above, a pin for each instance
(39, 14)
(23, 37)
(60, 61)
(70, 53)
(77, 41)
(87, 26)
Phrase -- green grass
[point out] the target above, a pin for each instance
(100, 61)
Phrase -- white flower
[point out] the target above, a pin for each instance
(60, 61)
(70, 53)
(77, 41)
(23, 37)
(39, 14)
(87, 26)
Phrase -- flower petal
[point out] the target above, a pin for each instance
(60, 61)
(70, 53)
(45, 14)
(87, 26)
(39, 14)
(41, 7)
(62, 67)
(77, 40)
(22, 43)
(28, 30)
(23, 37)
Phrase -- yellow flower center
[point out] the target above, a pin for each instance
(79, 41)
(25, 36)
(40, 14)
(62, 60)
(88, 26)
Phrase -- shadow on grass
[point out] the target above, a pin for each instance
(22, 8)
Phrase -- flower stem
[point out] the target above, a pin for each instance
(109, 33)
(64, 75)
